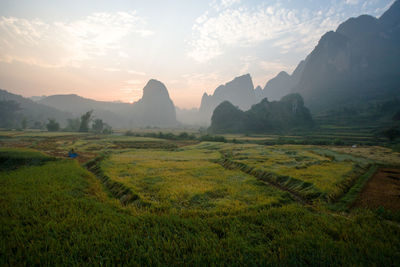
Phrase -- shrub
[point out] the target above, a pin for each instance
(52, 125)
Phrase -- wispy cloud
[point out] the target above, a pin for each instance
(139, 73)
(222, 4)
(62, 43)
(351, 2)
(246, 27)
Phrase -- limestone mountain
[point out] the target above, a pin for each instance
(356, 64)
(258, 92)
(280, 85)
(239, 91)
(155, 108)
(265, 117)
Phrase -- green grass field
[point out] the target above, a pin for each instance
(201, 204)
(325, 169)
(188, 179)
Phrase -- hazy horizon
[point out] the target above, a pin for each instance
(109, 50)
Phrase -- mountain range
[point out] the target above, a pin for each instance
(354, 69)
(357, 63)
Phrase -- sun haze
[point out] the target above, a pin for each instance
(109, 50)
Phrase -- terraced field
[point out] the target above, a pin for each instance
(160, 202)
(190, 179)
(312, 170)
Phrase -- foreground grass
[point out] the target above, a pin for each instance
(11, 158)
(58, 214)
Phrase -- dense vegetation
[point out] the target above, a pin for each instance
(265, 117)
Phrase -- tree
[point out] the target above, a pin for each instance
(38, 125)
(73, 125)
(85, 120)
(107, 129)
(52, 125)
(396, 116)
(391, 133)
(98, 126)
(24, 123)
(8, 113)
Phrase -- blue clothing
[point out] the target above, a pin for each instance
(72, 155)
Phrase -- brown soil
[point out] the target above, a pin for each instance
(382, 190)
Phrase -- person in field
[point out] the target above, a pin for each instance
(72, 154)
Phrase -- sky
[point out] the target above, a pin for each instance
(108, 50)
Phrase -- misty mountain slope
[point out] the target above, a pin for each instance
(239, 91)
(189, 117)
(78, 105)
(258, 92)
(113, 113)
(155, 108)
(278, 86)
(265, 117)
(35, 111)
(281, 85)
(356, 64)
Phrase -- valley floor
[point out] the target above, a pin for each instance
(148, 201)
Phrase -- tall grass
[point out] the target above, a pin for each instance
(56, 214)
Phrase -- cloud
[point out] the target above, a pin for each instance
(246, 27)
(69, 43)
(139, 73)
(223, 4)
(134, 82)
(351, 2)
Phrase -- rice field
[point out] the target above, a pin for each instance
(326, 170)
(189, 179)
(207, 203)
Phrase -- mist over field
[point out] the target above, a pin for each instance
(222, 132)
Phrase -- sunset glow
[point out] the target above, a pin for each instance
(108, 50)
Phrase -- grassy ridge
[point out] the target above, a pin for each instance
(345, 202)
(11, 158)
(307, 171)
(117, 190)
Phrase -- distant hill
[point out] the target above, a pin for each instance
(154, 109)
(78, 105)
(37, 98)
(34, 111)
(265, 117)
(113, 113)
(239, 91)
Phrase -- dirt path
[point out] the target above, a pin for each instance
(382, 190)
